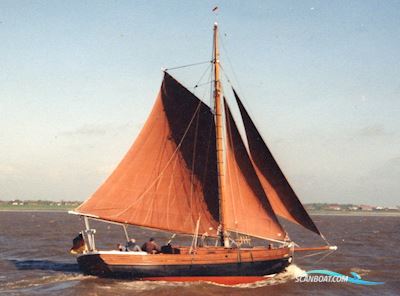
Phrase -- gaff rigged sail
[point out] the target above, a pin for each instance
(247, 207)
(278, 190)
(168, 178)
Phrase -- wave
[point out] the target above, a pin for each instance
(38, 264)
(151, 285)
(41, 281)
(360, 271)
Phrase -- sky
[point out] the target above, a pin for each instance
(321, 80)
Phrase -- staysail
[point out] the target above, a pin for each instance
(168, 178)
(247, 209)
(278, 190)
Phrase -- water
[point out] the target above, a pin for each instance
(35, 259)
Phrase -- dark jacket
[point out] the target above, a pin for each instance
(151, 247)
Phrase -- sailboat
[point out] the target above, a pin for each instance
(191, 172)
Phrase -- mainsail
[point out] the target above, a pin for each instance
(278, 190)
(247, 207)
(168, 178)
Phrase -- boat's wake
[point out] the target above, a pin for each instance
(360, 271)
(152, 285)
(290, 273)
(67, 274)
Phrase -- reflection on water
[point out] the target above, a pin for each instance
(35, 259)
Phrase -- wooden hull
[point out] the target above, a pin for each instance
(227, 266)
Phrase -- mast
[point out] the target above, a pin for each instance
(219, 136)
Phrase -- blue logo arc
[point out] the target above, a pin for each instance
(356, 279)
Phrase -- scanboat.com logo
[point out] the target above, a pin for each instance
(327, 276)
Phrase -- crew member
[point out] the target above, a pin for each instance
(131, 246)
(151, 247)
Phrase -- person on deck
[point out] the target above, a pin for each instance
(204, 239)
(151, 247)
(131, 246)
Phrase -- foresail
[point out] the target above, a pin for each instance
(279, 192)
(168, 179)
(246, 208)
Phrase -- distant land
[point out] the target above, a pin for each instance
(312, 208)
(351, 209)
(37, 205)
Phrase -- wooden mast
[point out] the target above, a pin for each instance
(219, 136)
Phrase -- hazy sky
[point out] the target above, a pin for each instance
(320, 78)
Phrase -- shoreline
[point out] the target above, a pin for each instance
(357, 214)
(322, 213)
(35, 211)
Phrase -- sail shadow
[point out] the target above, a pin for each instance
(45, 265)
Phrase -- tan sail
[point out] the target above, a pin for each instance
(168, 178)
(188, 171)
(247, 208)
(279, 192)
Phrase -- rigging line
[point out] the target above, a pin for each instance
(261, 237)
(226, 76)
(237, 174)
(209, 81)
(202, 84)
(193, 162)
(212, 103)
(211, 90)
(209, 134)
(170, 189)
(318, 253)
(323, 257)
(229, 130)
(152, 201)
(201, 78)
(202, 75)
(196, 136)
(192, 175)
(140, 226)
(255, 122)
(229, 62)
(315, 254)
(205, 174)
(166, 166)
(312, 255)
(188, 65)
(243, 98)
(324, 238)
(157, 183)
(235, 77)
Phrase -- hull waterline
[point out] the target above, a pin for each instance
(230, 267)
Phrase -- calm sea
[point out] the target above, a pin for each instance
(35, 259)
